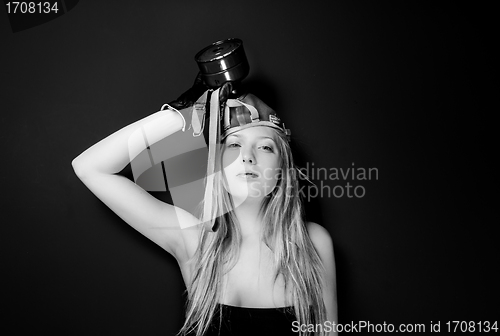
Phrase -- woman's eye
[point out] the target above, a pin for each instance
(233, 145)
(267, 148)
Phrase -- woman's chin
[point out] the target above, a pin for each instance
(248, 193)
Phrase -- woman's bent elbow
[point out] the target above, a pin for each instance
(77, 168)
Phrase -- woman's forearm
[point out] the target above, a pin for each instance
(113, 153)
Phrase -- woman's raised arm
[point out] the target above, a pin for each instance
(96, 167)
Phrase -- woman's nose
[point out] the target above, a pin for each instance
(247, 156)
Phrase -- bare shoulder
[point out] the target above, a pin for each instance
(323, 244)
(321, 239)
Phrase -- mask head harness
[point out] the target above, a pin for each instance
(232, 116)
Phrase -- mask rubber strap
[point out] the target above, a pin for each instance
(213, 136)
(254, 114)
(198, 115)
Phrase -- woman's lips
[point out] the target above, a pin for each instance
(248, 175)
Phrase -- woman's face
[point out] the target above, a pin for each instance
(250, 162)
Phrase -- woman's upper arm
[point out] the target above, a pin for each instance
(324, 246)
(160, 222)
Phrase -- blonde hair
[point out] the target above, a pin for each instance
(284, 232)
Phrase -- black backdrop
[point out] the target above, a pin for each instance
(364, 85)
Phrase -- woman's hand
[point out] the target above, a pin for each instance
(188, 98)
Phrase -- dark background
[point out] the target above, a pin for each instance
(390, 86)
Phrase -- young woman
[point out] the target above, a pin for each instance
(261, 270)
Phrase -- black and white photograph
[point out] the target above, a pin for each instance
(270, 168)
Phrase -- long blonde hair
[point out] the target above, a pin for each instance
(284, 232)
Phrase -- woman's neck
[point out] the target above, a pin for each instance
(249, 219)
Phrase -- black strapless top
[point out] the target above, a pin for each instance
(242, 321)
